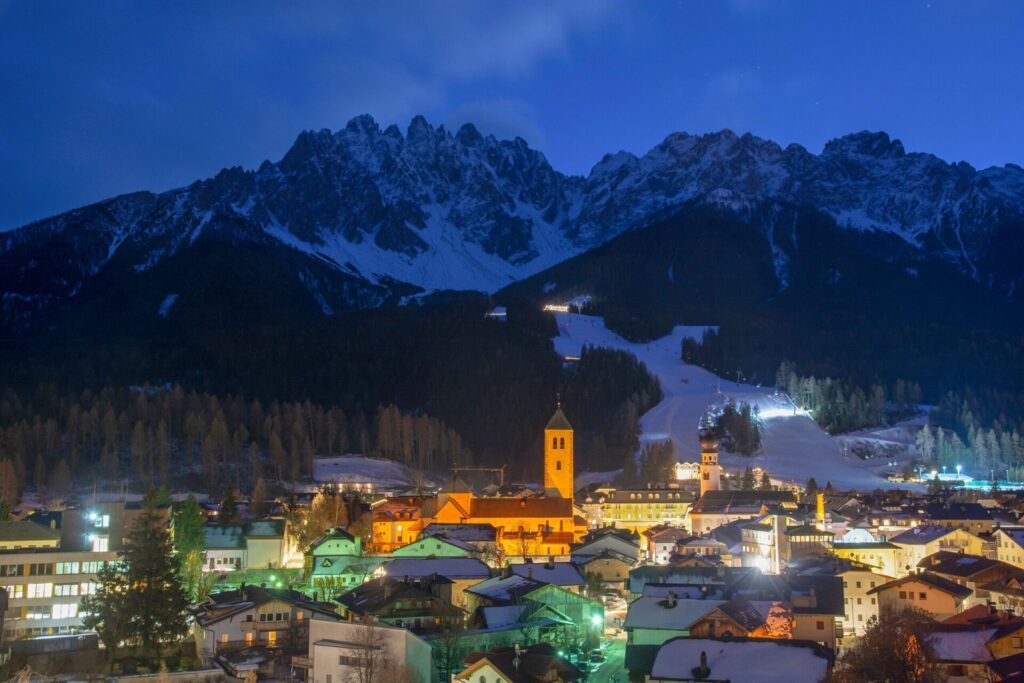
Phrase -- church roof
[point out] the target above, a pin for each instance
(456, 484)
(504, 508)
(558, 420)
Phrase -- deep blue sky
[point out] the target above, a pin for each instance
(99, 98)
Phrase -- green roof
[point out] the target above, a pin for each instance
(558, 420)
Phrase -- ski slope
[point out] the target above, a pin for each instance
(794, 447)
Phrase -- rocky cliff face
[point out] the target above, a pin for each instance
(363, 215)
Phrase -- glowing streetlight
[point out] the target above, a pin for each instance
(596, 620)
(958, 468)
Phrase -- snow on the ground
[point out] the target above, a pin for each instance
(795, 447)
(356, 469)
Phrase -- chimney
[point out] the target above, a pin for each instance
(702, 671)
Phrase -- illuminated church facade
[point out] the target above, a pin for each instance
(526, 525)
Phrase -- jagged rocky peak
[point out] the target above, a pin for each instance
(437, 209)
(865, 143)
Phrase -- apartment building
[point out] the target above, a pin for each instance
(46, 566)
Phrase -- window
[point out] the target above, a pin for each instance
(561, 443)
(872, 601)
(271, 638)
(922, 596)
(16, 592)
(298, 616)
(483, 679)
(67, 567)
(903, 595)
(858, 584)
(87, 588)
(821, 625)
(558, 464)
(860, 617)
(859, 601)
(65, 611)
(40, 590)
(554, 442)
(224, 637)
(100, 544)
(41, 569)
(248, 638)
(102, 521)
(329, 679)
(65, 589)
(1017, 642)
(248, 617)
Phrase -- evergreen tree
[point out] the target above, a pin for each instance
(140, 598)
(766, 482)
(812, 488)
(747, 483)
(108, 610)
(259, 494)
(156, 599)
(189, 527)
(228, 507)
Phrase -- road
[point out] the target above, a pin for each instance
(614, 666)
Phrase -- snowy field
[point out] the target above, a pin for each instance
(795, 448)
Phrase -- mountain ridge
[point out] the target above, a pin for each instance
(381, 216)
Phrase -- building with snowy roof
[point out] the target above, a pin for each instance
(747, 660)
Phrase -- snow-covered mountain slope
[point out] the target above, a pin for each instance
(388, 213)
(795, 448)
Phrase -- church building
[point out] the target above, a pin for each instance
(546, 524)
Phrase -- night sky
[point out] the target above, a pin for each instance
(100, 98)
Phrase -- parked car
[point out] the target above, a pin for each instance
(597, 656)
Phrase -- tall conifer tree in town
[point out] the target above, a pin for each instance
(155, 599)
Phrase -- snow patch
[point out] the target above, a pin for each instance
(794, 447)
(165, 305)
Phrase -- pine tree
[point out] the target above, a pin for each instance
(259, 494)
(140, 598)
(156, 599)
(747, 482)
(812, 488)
(766, 482)
(228, 506)
(189, 527)
(108, 611)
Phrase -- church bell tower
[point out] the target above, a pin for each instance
(558, 464)
(710, 473)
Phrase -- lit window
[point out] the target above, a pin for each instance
(100, 544)
(40, 590)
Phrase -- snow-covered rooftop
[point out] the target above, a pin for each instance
(747, 661)
(655, 613)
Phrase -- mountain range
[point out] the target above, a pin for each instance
(363, 217)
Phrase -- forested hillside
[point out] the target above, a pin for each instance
(213, 405)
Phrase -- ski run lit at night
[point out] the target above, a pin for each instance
(490, 341)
